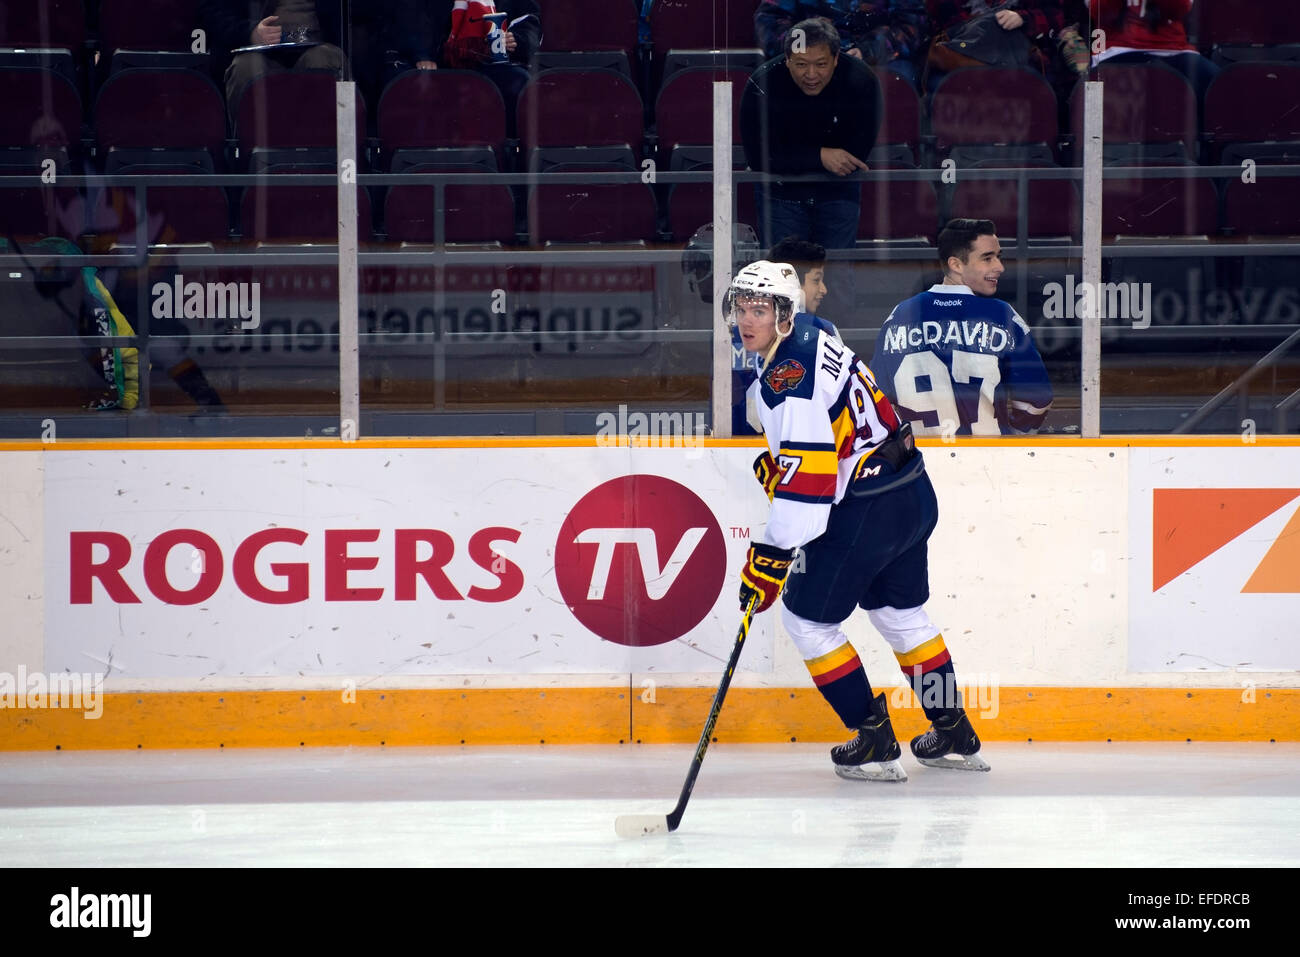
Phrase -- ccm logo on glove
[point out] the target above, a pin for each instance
(765, 571)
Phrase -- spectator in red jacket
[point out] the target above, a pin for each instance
(1151, 31)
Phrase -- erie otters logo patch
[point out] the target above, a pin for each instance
(786, 374)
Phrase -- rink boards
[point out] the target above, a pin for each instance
(491, 591)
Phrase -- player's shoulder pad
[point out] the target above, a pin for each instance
(791, 373)
(825, 325)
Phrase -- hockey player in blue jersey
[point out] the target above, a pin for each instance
(849, 490)
(953, 359)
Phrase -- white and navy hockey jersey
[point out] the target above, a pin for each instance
(822, 413)
(955, 363)
(744, 370)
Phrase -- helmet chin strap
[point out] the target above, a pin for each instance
(776, 343)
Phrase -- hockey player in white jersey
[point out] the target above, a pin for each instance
(848, 488)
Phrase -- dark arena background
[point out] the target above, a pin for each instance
(376, 462)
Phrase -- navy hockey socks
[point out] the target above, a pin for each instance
(934, 681)
(841, 679)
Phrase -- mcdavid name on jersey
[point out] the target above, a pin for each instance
(979, 334)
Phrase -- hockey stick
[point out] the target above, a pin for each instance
(641, 825)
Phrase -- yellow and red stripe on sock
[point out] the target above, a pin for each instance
(833, 665)
(924, 657)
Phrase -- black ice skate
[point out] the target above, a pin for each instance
(950, 743)
(873, 754)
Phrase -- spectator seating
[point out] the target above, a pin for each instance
(684, 107)
(441, 109)
(140, 111)
(690, 205)
(147, 25)
(474, 213)
(288, 120)
(580, 108)
(900, 124)
(30, 212)
(903, 211)
(1054, 210)
(1241, 107)
(298, 214)
(589, 34)
(43, 23)
(41, 108)
(1231, 33)
(1148, 114)
(1010, 114)
(720, 61)
(294, 108)
(1270, 206)
(61, 62)
(589, 212)
(1158, 207)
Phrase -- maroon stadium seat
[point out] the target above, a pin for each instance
(1054, 207)
(1270, 206)
(434, 109)
(160, 108)
(1145, 104)
(1242, 104)
(293, 109)
(580, 108)
(41, 108)
(711, 25)
(1158, 207)
(298, 214)
(899, 210)
(591, 213)
(901, 122)
(985, 105)
(1218, 22)
(30, 212)
(690, 205)
(175, 214)
(147, 25)
(42, 23)
(590, 25)
(684, 108)
(474, 213)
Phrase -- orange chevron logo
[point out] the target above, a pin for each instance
(1190, 524)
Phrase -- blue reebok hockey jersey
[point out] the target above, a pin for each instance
(955, 363)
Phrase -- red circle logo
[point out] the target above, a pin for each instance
(640, 560)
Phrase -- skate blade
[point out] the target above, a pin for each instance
(872, 771)
(957, 762)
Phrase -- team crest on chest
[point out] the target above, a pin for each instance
(786, 374)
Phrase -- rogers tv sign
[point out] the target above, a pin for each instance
(301, 566)
(391, 561)
(640, 560)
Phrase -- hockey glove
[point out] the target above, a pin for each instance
(765, 571)
(767, 473)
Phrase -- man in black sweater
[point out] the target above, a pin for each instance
(810, 111)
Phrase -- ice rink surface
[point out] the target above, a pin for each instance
(1042, 805)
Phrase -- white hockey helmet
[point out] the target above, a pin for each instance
(776, 281)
